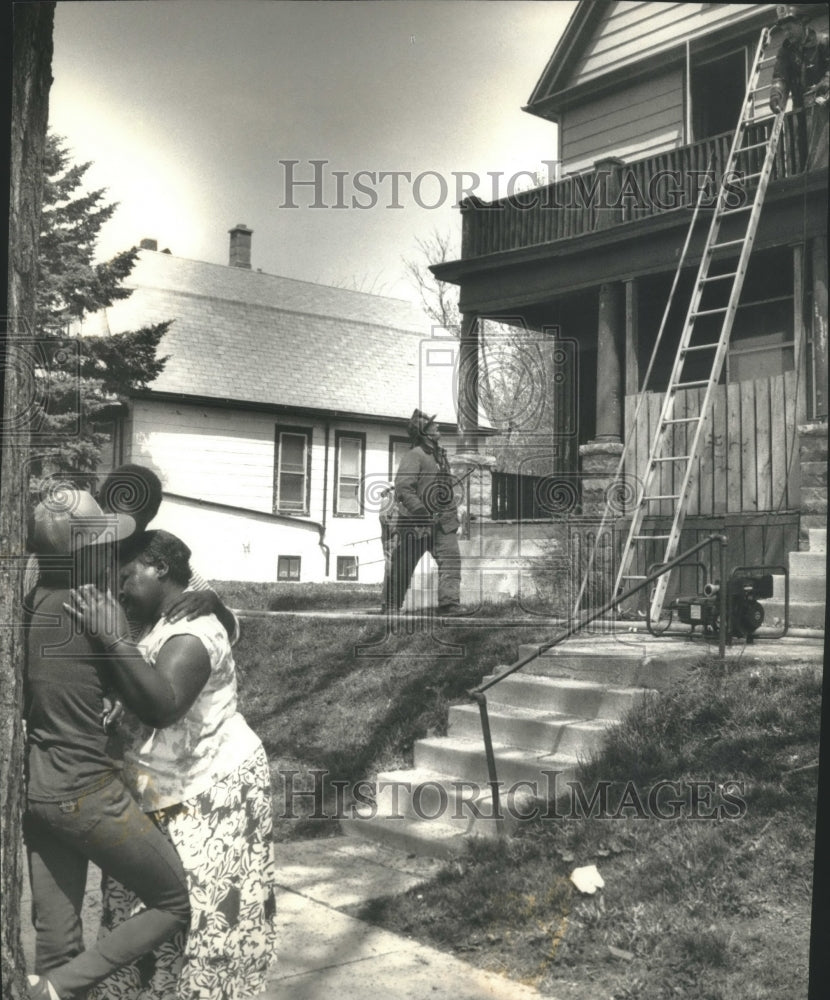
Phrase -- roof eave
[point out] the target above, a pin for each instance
(582, 20)
(319, 413)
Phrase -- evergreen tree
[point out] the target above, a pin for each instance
(81, 378)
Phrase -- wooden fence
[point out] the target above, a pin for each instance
(748, 461)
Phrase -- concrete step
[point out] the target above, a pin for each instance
(422, 795)
(803, 614)
(565, 696)
(626, 668)
(420, 837)
(818, 539)
(803, 589)
(808, 565)
(530, 729)
(451, 756)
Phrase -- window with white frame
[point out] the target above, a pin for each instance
(292, 470)
(288, 567)
(347, 567)
(350, 449)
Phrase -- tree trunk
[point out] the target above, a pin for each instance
(31, 80)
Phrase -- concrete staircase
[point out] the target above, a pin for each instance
(541, 722)
(808, 585)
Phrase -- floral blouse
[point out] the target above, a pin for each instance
(167, 766)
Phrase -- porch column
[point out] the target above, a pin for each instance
(468, 383)
(819, 324)
(601, 456)
(610, 354)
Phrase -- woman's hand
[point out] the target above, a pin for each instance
(98, 614)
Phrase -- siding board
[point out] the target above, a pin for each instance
(632, 32)
(632, 122)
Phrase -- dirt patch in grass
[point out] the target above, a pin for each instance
(713, 909)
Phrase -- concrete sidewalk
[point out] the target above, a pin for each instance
(323, 953)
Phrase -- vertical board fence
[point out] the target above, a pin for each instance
(748, 460)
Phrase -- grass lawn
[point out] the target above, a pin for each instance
(693, 908)
(705, 909)
(317, 705)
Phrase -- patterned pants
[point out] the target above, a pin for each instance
(223, 837)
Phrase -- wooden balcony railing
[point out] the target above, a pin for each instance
(616, 193)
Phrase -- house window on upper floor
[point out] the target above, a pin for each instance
(292, 470)
(398, 447)
(288, 567)
(350, 451)
(716, 91)
(347, 568)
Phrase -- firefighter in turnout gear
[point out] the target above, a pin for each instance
(802, 71)
(427, 518)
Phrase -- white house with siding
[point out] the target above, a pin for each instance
(280, 413)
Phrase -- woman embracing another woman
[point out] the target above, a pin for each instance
(197, 770)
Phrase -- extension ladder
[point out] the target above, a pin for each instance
(706, 284)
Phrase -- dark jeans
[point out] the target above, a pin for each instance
(411, 544)
(107, 827)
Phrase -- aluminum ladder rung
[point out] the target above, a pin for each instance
(728, 243)
(766, 136)
(747, 177)
(755, 145)
(701, 347)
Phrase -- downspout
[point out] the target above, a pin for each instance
(687, 124)
(323, 546)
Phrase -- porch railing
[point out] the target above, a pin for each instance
(618, 192)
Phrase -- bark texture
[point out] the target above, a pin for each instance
(31, 80)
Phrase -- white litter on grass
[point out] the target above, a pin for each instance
(587, 879)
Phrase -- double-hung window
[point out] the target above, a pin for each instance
(350, 448)
(292, 470)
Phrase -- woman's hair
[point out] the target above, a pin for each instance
(154, 547)
(132, 489)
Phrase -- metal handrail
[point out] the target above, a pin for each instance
(479, 694)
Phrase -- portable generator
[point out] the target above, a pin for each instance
(744, 613)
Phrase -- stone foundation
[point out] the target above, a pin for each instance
(812, 454)
(599, 461)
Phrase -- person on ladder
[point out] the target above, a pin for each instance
(802, 70)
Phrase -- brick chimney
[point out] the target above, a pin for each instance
(240, 246)
(147, 244)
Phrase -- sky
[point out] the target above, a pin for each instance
(191, 109)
